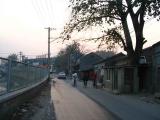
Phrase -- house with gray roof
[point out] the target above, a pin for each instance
(86, 63)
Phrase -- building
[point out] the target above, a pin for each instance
(86, 63)
(122, 78)
(43, 62)
(118, 77)
(156, 67)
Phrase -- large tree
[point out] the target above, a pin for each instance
(115, 13)
(68, 56)
(61, 61)
(13, 57)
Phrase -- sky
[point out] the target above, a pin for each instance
(22, 24)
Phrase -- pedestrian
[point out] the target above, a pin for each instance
(102, 81)
(85, 79)
(102, 78)
(94, 78)
(75, 78)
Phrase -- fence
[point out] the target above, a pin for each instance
(16, 75)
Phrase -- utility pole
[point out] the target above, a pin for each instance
(20, 56)
(49, 30)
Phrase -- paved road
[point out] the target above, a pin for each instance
(70, 104)
(126, 107)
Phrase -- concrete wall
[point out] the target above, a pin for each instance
(121, 80)
(97, 69)
(107, 80)
(114, 79)
(135, 81)
(156, 67)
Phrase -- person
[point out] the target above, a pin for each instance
(102, 81)
(102, 78)
(94, 78)
(85, 79)
(75, 77)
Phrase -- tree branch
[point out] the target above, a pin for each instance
(92, 18)
(132, 5)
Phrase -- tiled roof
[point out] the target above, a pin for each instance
(87, 61)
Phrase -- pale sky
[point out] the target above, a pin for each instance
(22, 24)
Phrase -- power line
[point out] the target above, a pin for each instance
(44, 10)
(38, 11)
(48, 11)
(52, 14)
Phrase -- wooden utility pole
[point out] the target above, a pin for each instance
(20, 56)
(49, 64)
(49, 30)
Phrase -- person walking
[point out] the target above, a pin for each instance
(75, 78)
(94, 78)
(102, 78)
(85, 79)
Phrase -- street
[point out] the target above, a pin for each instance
(79, 103)
(70, 104)
(125, 106)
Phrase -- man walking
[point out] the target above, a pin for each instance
(75, 77)
(85, 79)
(94, 78)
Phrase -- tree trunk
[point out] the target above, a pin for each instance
(138, 24)
(133, 55)
(129, 47)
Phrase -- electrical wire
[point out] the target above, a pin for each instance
(49, 12)
(52, 14)
(44, 12)
(38, 11)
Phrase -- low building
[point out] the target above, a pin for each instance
(149, 73)
(156, 67)
(122, 78)
(117, 75)
(42, 62)
(86, 63)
